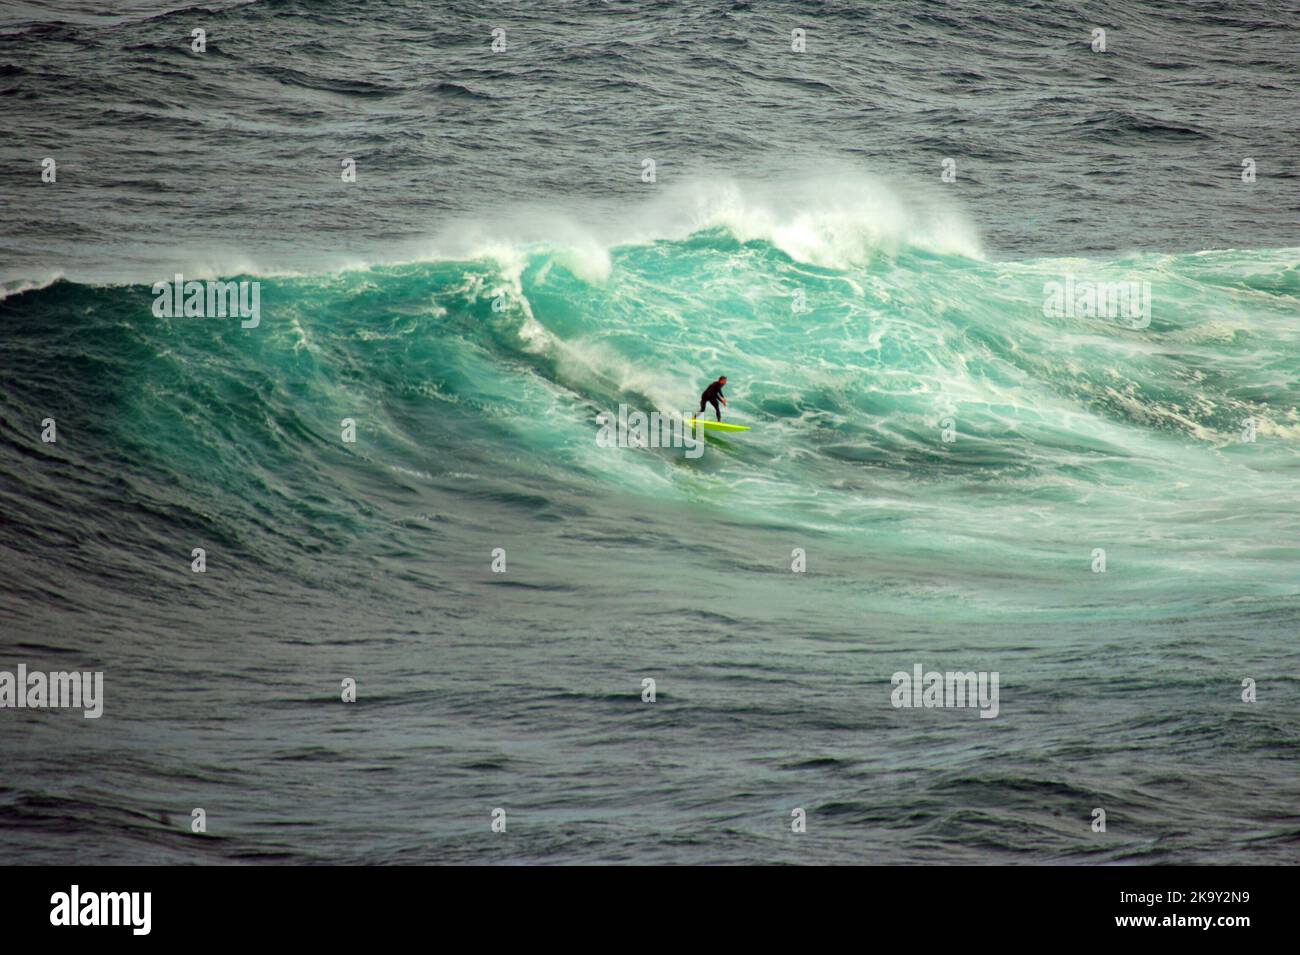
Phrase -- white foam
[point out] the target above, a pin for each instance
(835, 219)
(19, 286)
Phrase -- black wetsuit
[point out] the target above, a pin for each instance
(710, 397)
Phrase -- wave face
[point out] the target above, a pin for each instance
(899, 373)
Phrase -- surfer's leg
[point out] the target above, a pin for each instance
(717, 408)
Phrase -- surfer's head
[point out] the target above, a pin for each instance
(722, 380)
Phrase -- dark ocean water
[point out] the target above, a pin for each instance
(497, 276)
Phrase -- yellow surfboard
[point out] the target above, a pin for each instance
(716, 425)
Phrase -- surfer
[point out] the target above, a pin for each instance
(711, 396)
